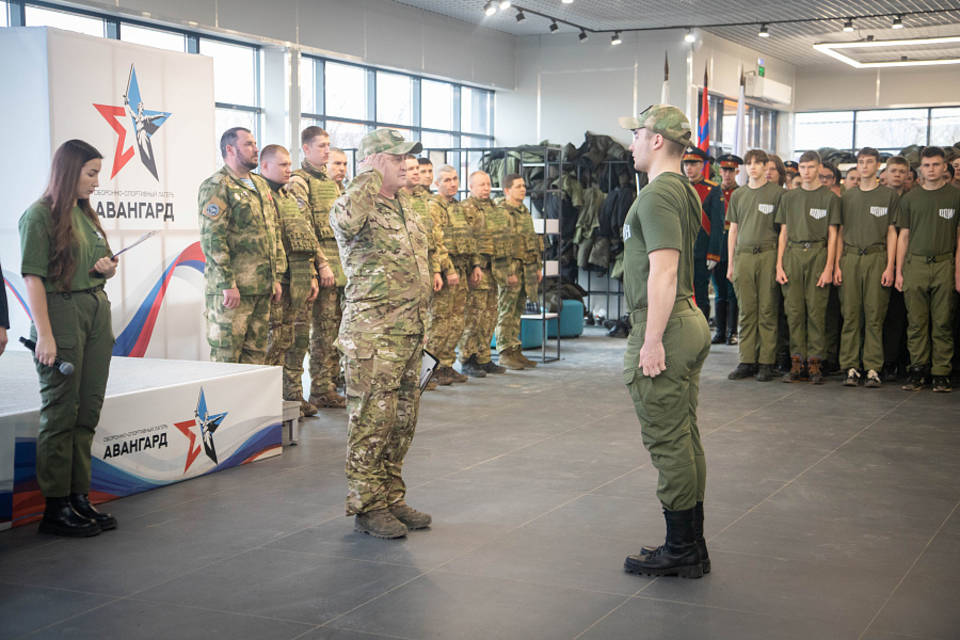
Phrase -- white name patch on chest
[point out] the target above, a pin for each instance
(817, 214)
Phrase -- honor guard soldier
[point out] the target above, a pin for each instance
(866, 258)
(447, 310)
(928, 271)
(669, 339)
(480, 318)
(306, 269)
(706, 254)
(315, 190)
(726, 297)
(519, 271)
(753, 257)
(808, 219)
(242, 251)
(384, 251)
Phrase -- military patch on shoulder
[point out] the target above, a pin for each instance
(214, 207)
(212, 210)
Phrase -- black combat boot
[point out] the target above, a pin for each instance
(918, 378)
(698, 533)
(472, 369)
(678, 556)
(60, 519)
(490, 367)
(721, 335)
(81, 504)
(764, 373)
(743, 370)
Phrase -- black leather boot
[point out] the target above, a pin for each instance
(81, 504)
(472, 369)
(60, 519)
(698, 532)
(678, 556)
(721, 335)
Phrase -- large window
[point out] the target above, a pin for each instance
(349, 100)
(889, 130)
(34, 16)
(760, 126)
(236, 89)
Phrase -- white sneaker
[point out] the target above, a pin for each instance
(873, 379)
(853, 378)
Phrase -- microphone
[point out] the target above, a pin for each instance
(65, 368)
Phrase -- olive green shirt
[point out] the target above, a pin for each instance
(36, 233)
(931, 217)
(867, 215)
(754, 211)
(665, 215)
(808, 214)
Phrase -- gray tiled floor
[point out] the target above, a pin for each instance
(831, 513)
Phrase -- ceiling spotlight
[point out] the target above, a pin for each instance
(848, 25)
(520, 16)
(554, 26)
(490, 8)
(567, 1)
(689, 37)
(505, 4)
(897, 23)
(763, 31)
(583, 36)
(615, 39)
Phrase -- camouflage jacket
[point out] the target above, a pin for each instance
(383, 248)
(457, 234)
(238, 235)
(437, 254)
(296, 231)
(531, 243)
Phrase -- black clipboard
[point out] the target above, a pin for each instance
(428, 365)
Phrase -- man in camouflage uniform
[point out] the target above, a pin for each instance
(447, 310)
(518, 272)
(243, 253)
(383, 247)
(337, 168)
(312, 187)
(480, 317)
(426, 178)
(306, 268)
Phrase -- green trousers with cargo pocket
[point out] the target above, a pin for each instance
(70, 405)
(804, 302)
(863, 301)
(667, 404)
(928, 285)
(755, 283)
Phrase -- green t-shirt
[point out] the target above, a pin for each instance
(36, 231)
(808, 214)
(665, 215)
(931, 217)
(754, 211)
(867, 215)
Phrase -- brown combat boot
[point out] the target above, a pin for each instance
(380, 523)
(510, 360)
(527, 362)
(796, 369)
(816, 372)
(307, 409)
(329, 400)
(441, 376)
(409, 516)
(456, 376)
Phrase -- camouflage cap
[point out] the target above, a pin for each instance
(664, 119)
(385, 141)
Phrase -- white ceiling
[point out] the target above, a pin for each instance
(791, 42)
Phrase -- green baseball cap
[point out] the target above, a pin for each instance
(664, 119)
(386, 141)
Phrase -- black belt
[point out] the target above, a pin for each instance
(874, 248)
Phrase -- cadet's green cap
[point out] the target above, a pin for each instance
(664, 119)
(385, 141)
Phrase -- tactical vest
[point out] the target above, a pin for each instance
(481, 233)
(323, 192)
(530, 241)
(457, 234)
(298, 236)
(506, 243)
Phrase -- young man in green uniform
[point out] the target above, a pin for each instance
(927, 271)
(752, 251)
(669, 339)
(808, 219)
(866, 255)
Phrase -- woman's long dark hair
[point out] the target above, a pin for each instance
(60, 194)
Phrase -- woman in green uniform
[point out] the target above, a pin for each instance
(66, 259)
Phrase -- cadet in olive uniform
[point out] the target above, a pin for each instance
(242, 248)
(384, 252)
(896, 358)
(805, 262)
(447, 310)
(525, 264)
(866, 257)
(669, 339)
(480, 316)
(312, 187)
(706, 253)
(752, 248)
(65, 259)
(725, 299)
(927, 272)
(306, 266)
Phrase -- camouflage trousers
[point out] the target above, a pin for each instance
(446, 319)
(324, 357)
(290, 329)
(479, 320)
(510, 304)
(239, 334)
(383, 400)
